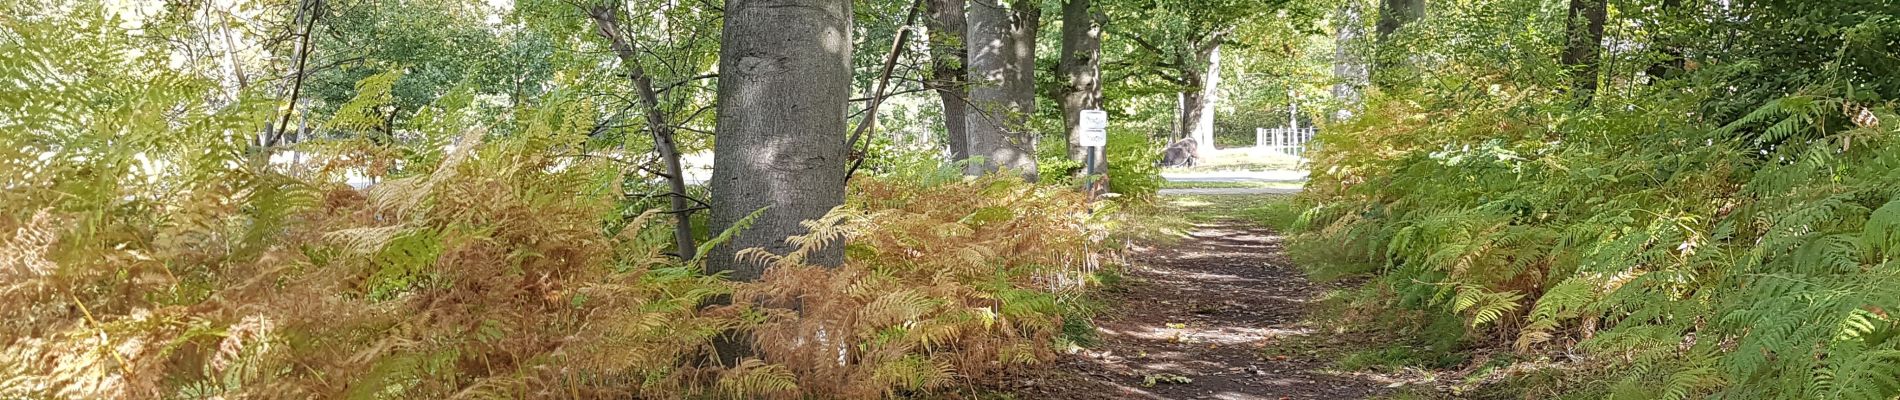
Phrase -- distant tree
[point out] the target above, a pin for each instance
(439, 45)
(635, 75)
(1396, 14)
(948, 74)
(785, 73)
(1390, 61)
(1080, 69)
(1584, 45)
(1175, 42)
(1349, 64)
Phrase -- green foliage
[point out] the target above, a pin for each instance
(1277, 212)
(957, 280)
(438, 44)
(1690, 247)
(149, 249)
(1133, 164)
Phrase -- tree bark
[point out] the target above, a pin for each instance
(784, 79)
(947, 71)
(607, 24)
(1025, 23)
(1179, 129)
(1080, 66)
(1396, 14)
(997, 122)
(1581, 52)
(1209, 97)
(1193, 110)
(1201, 77)
(1393, 15)
(1349, 64)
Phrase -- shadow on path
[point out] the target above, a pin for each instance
(1202, 309)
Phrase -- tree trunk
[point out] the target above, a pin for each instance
(1210, 96)
(1178, 129)
(784, 79)
(1349, 64)
(998, 116)
(307, 8)
(1025, 23)
(947, 71)
(1193, 110)
(1080, 66)
(1202, 77)
(607, 24)
(1581, 52)
(1393, 15)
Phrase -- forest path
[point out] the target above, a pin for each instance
(1204, 308)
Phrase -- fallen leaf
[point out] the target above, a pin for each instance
(1151, 380)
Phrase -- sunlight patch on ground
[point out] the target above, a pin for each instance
(1242, 396)
(1208, 277)
(1189, 202)
(1219, 336)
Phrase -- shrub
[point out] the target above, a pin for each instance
(1133, 164)
(149, 250)
(955, 281)
(1749, 260)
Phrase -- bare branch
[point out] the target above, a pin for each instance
(877, 94)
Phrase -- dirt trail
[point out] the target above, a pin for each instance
(1203, 309)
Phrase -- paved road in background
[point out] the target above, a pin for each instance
(1267, 177)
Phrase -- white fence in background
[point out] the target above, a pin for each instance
(1288, 141)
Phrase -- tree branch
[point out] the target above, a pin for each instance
(303, 57)
(606, 19)
(877, 94)
(688, 80)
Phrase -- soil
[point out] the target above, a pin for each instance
(1204, 309)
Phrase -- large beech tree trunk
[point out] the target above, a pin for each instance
(1080, 67)
(1193, 110)
(997, 122)
(947, 71)
(784, 79)
(1200, 78)
(1025, 22)
(1349, 64)
(1585, 43)
(1205, 100)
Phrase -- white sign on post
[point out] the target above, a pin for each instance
(1094, 127)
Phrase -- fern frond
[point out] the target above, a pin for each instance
(753, 379)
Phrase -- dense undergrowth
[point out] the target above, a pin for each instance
(1702, 265)
(1703, 236)
(148, 251)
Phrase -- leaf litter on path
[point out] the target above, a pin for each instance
(1194, 324)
